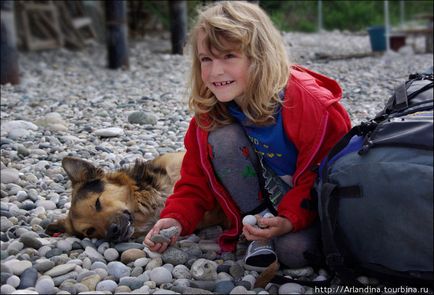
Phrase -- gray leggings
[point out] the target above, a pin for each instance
(237, 167)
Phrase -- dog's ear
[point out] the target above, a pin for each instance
(145, 174)
(79, 170)
(60, 226)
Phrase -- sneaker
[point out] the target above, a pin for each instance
(260, 254)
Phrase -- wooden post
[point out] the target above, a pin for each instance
(117, 34)
(178, 24)
(8, 44)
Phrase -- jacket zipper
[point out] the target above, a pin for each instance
(308, 163)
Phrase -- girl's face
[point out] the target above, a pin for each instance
(225, 74)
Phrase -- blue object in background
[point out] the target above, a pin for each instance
(377, 38)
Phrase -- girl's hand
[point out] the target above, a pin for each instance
(276, 226)
(162, 224)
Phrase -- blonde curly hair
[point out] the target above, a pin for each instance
(248, 28)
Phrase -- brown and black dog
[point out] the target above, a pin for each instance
(122, 204)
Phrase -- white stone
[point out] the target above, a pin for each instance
(249, 219)
(203, 269)
(7, 127)
(161, 275)
(291, 288)
(18, 266)
(110, 132)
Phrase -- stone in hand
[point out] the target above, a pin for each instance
(249, 219)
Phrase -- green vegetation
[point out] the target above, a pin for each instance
(296, 15)
(293, 15)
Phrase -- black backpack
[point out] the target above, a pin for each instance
(375, 192)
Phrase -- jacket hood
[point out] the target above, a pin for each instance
(317, 81)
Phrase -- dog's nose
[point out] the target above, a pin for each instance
(114, 231)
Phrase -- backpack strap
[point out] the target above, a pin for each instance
(401, 99)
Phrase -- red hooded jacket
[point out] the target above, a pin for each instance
(313, 120)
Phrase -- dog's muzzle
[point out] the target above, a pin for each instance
(121, 228)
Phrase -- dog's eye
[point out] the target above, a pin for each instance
(90, 231)
(98, 205)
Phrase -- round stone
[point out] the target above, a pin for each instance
(45, 285)
(106, 285)
(291, 288)
(160, 275)
(111, 254)
(13, 281)
(249, 219)
(118, 269)
(224, 287)
(28, 278)
(181, 272)
(131, 255)
(203, 269)
(174, 256)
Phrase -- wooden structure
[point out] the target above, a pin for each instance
(178, 24)
(117, 34)
(426, 32)
(52, 24)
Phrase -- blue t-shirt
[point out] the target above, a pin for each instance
(270, 142)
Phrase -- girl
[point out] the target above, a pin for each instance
(260, 125)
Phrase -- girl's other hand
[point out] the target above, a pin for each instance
(275, 226)
(162, 224)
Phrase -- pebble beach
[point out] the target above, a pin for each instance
(69, 104)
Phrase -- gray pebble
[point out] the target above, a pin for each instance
(7, 289)
(43, 265)
(224, 287)
(181, 272)
(203, 269)
(142, 118)
(93, 254)
(68, 286)
(15, 247)
(132, 282)
(18, 266)
(44, 250)
(157, 238)
(237, 271)
(169, 232)
(58, 280)
(109, 132)
(121, 247)
(98, 264)
(174, 256)
(28, 278)
(206, 285)
(160, 275)
(79, 287)
(29, 240)
(60, 270)
(239, 290)
(64, 245)
(141, 262)
(9, 175)
(106, 285)
(13, 281)
(4, 276)
(118, 269)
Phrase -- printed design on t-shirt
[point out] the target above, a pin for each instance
(266, 151)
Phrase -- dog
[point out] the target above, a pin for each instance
(122, 204)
